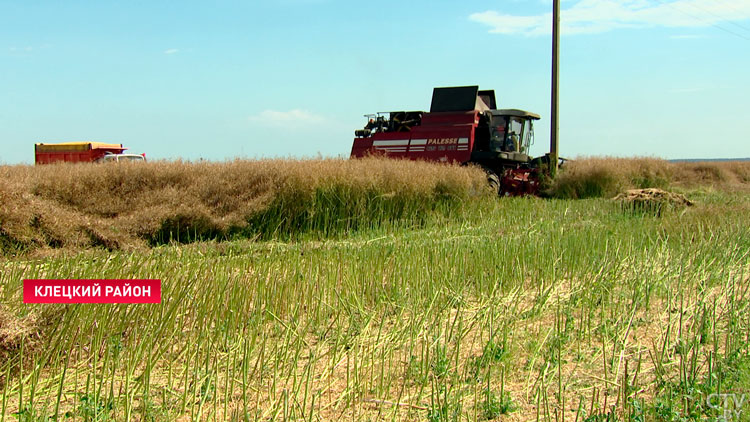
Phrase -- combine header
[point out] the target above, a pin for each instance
(463, 126)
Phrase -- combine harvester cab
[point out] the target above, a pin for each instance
(463, 126)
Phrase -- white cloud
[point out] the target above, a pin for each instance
(293, 118)
(171, 51)
(596, 16)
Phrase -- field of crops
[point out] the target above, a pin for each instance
(377, 290)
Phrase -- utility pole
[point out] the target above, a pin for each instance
(554, 128)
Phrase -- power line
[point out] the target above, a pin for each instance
(727, 20)
(729, 5)
(668, 4)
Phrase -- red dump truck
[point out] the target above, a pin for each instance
(82, 152)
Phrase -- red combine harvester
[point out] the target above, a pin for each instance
(463, 126)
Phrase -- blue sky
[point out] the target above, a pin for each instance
(292, 78)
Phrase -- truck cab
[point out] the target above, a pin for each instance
(120, 158)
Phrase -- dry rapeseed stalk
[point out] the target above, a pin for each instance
(125, 205)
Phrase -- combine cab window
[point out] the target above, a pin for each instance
(498, 136)
(515, 135)
(511, 134)
(516, 125)
(498, 125)
(528, 137)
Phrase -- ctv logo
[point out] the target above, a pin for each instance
(729, 405)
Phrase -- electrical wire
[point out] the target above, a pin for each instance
(722, 18)
(672, 5)
(730, 5)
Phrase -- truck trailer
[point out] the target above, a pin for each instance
(82, 152)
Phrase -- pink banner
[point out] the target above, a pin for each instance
(91, 291)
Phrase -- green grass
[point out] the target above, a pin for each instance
(522, 307)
